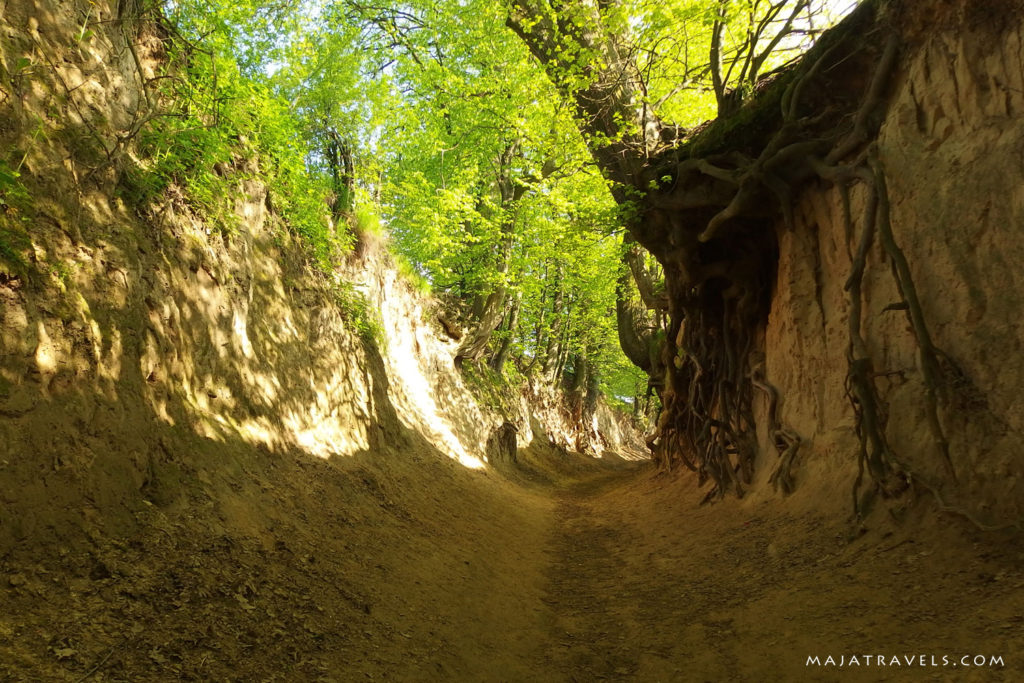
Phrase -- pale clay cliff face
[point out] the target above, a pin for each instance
(952, 146)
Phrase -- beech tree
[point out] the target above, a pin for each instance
(544, 180)
(488, 186)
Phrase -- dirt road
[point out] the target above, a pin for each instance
(646, 585)
(411, 568)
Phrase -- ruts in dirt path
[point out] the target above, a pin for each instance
(644, 584)
(560, 569)
(593, 632)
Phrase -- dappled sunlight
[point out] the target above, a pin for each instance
(45, 355)
(415, 398)
(324, 439)
(241, 338)
(266, 385)
(226, 343)
(240, 439)
(231, 336)
(284, 376)
(274, 380)
(206, 338)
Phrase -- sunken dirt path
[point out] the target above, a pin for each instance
(559, 568)
(647, 586)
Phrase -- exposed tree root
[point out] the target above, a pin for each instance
(720, 299)
(786, 441)
(943, 506)
(725, 264)
(874, 455)
(930, 368)
(708, 403)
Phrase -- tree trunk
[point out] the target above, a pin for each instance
(717, 78)
(638, 329)
(490, 314)
(538, 328)
(551, 349)
(339, 159)
(648, 284)
(474, 344)
(562, 355)
(512, 319)
(612, 98)
(593, 391)
(579, 373)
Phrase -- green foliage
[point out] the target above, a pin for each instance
(431, 121)
(184, 152)
(219, 114)
(407, 271)
(15, 203)
(674, 42)
(366, 221)
(13, 242)
(500, 393)
(13, 195)
(298, 194)
(362, 317)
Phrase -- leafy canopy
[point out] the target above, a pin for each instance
(434, 119)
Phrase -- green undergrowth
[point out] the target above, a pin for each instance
(217, 128)
(367, 224)
(366, 221)
(359, 314)
(15, 208)
(407, 271)
(499, 392)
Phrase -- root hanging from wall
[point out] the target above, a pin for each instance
(720, 208)
(940, 376)
(713, 223)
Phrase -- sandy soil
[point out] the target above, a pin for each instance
(561, 568)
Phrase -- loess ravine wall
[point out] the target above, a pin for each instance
(151, 359)
(952, 148)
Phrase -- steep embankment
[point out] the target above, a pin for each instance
(145, 347)
(195, 420)
(950, 145)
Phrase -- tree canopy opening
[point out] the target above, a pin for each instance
(519, 155)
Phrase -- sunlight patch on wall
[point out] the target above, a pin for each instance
(46, 358)
(413, 357)
(324, 438)
(415, 400)
(238, 324)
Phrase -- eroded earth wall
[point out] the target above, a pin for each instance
(145, 352)
(952, 149)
